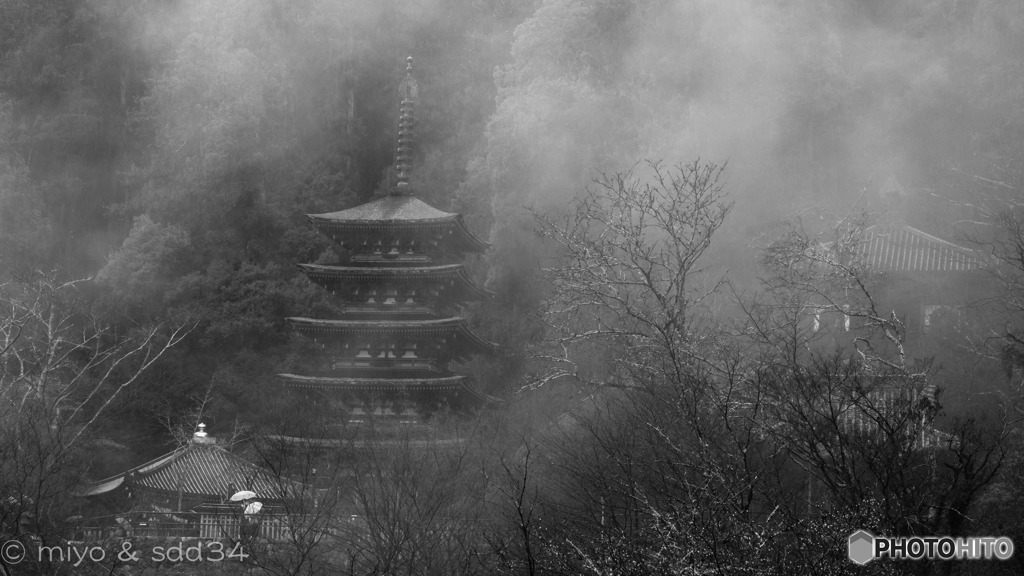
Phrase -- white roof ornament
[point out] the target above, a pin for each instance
(200, 436)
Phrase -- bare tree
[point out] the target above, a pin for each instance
(661, 468)
(418, 500)
(987, 194)
(62, 369)
(850, 402)
(625, 283)
(62, 358)
(514, 539)
(726, 449)
(313, 486)
(829, 276)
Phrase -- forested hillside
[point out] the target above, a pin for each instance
(171, 149)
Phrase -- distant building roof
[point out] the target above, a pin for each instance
(901, 248)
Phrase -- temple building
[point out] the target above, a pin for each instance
(184, 493)
(929, 281)
(400, 284)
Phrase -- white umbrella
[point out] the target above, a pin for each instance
(242, 495)
(254, 508)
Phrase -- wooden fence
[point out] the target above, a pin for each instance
(220, 526)
(207, 525)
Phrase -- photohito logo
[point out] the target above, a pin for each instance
(863, 547)
(860, 546)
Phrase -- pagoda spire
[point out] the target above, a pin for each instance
(406, 123)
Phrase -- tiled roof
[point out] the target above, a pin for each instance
(906, 249)
(205, 470)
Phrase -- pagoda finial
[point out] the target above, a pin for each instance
(406, 122)
(200, 436)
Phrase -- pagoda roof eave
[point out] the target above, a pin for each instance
(387, 210)
(352, 272)
(345, 271)
(401, 211)
(476, 243)
(433, 383)
(456, 325)
(428, 325)
(470, 241)
(485, 346)
(481, 396)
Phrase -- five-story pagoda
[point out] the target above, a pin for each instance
(400, 283)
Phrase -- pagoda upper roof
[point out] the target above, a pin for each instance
(455, 325)
(396, 211)
(444, 382)
(197, 470)
(388, 209)
(444, 271)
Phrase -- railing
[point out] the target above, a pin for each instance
(203, 525)
(217, 526)
(164, 529)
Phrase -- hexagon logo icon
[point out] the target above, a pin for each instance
(861, 546)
